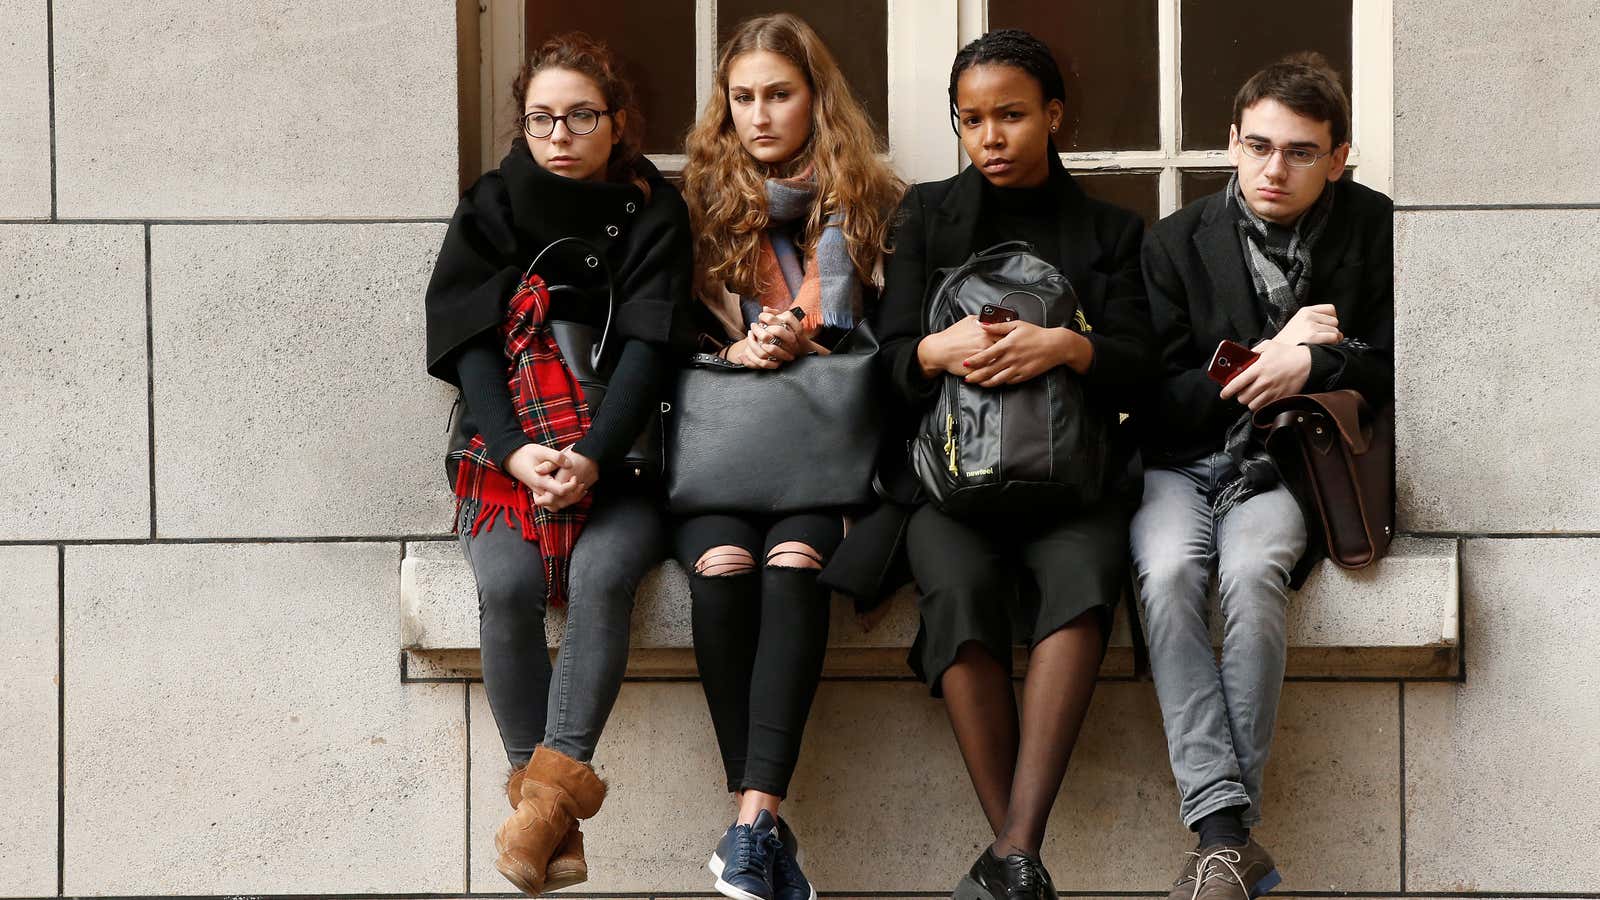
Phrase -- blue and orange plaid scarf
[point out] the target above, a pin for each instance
(550, 408)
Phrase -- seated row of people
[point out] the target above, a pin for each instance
(789, 233)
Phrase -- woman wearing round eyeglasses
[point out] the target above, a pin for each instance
(546, 514)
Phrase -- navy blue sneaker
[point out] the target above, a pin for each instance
(748, 859)
(788, 882)
(725, 846)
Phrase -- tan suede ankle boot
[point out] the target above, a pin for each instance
(567, 865)
(555, 792)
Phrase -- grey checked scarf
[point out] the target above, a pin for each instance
(1279, 260)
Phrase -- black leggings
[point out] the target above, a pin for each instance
(760, 625)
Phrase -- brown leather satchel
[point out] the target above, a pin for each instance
(1337, 456)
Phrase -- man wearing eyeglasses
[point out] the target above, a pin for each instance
(1295, 264)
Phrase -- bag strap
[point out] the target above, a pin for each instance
(1345, 410)
(594, 259)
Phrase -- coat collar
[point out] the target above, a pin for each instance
(544, 203)
(953, 236)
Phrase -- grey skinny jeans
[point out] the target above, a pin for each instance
(1219, 720)
(565, 708)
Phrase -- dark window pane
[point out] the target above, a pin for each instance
(1227, 41)
(655, 42)
(1196, 183)
(1112, 49)
(1138, 191)
(856, 32)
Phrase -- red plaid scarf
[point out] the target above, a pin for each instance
(549, 406)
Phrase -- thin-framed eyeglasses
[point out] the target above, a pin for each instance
(580, 121)
(1296, 157)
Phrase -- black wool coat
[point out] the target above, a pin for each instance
(500, 225)
(511, 213)
(1201, 293)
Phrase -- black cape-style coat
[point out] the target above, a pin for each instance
(511, 213)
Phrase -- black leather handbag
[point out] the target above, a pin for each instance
(801, 437)
(586, 358)
(1035, 445)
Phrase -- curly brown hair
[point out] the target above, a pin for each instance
(725, 186)
(590, 57)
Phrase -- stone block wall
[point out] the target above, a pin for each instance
(215, 225)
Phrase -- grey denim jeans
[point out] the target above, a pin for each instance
(1219, 719)
(564, 708)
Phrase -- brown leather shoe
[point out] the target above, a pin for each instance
(555, 791)
(567, 865)
(1235, 872)
(1183, 886)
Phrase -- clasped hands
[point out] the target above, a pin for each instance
(776, 337)
(556, 478)
(1285, 361)
(1003, 353)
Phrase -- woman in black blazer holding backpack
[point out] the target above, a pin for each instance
(1007, 97)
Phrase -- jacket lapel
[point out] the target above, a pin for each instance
(1217, 239)
(1329, 255)
(1075, 235)
(954, 225)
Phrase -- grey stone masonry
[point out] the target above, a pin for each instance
(1502, 773)
(24, 111)
(1495, 370)
(290, 394)
(73, 377)
(197, 109)
(1495, 102)
(241, 703)
(28, 718)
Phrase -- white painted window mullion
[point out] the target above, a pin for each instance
(1169, 50)
(705, 52)
(922, 37)
(501, 32)
(1372, 89)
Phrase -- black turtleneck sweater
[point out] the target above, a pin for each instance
(1021, 214)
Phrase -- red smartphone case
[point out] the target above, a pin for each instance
(1230, 359)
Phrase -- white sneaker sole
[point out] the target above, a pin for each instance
(728, 890)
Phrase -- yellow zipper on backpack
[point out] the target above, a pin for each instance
(950, 441)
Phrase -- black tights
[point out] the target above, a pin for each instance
(760, 634)
(1017, 766)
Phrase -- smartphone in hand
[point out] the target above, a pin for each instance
(1230, 359)
(994, 314)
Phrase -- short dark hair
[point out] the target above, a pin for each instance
(1305, 83)
(1011, 47)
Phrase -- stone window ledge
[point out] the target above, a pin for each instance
(1397, 620)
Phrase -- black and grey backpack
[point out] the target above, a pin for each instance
(1032, 446)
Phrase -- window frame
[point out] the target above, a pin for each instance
(924, 35)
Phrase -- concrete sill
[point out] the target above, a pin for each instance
(1398, 619)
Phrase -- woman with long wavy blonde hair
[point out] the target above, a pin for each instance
(790, 207)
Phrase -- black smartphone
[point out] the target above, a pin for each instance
(994, 314)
